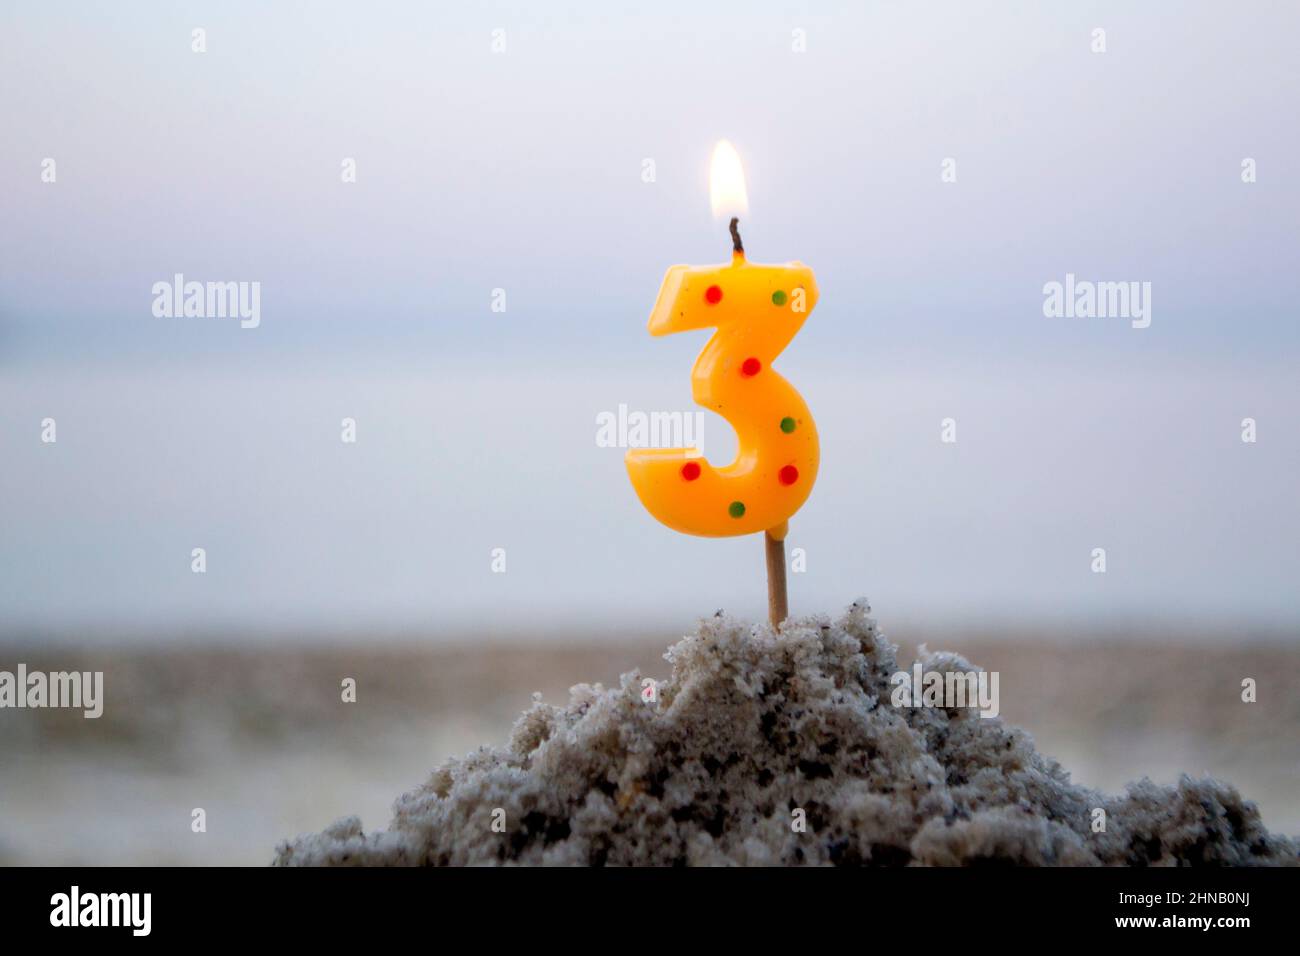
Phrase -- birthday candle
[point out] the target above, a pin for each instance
(756, 310)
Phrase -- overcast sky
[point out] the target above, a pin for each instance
(523, 170)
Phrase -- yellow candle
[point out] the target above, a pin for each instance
(756, 310)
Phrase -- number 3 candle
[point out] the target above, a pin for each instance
(756, 310)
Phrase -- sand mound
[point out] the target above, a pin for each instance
(754, 726)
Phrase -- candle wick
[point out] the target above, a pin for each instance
(736, 245)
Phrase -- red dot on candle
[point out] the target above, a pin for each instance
(691, 470)
(751, 366)
(713, 295)
(789, 475)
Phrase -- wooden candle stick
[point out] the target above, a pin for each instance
(778, 607)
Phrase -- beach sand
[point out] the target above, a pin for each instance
(261, 740)
(787, 748)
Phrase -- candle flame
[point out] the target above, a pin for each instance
(727, 183)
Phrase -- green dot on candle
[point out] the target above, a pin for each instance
(778, 297)
(787, 424)
(736, 509)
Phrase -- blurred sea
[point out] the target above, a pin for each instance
(307, 536)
